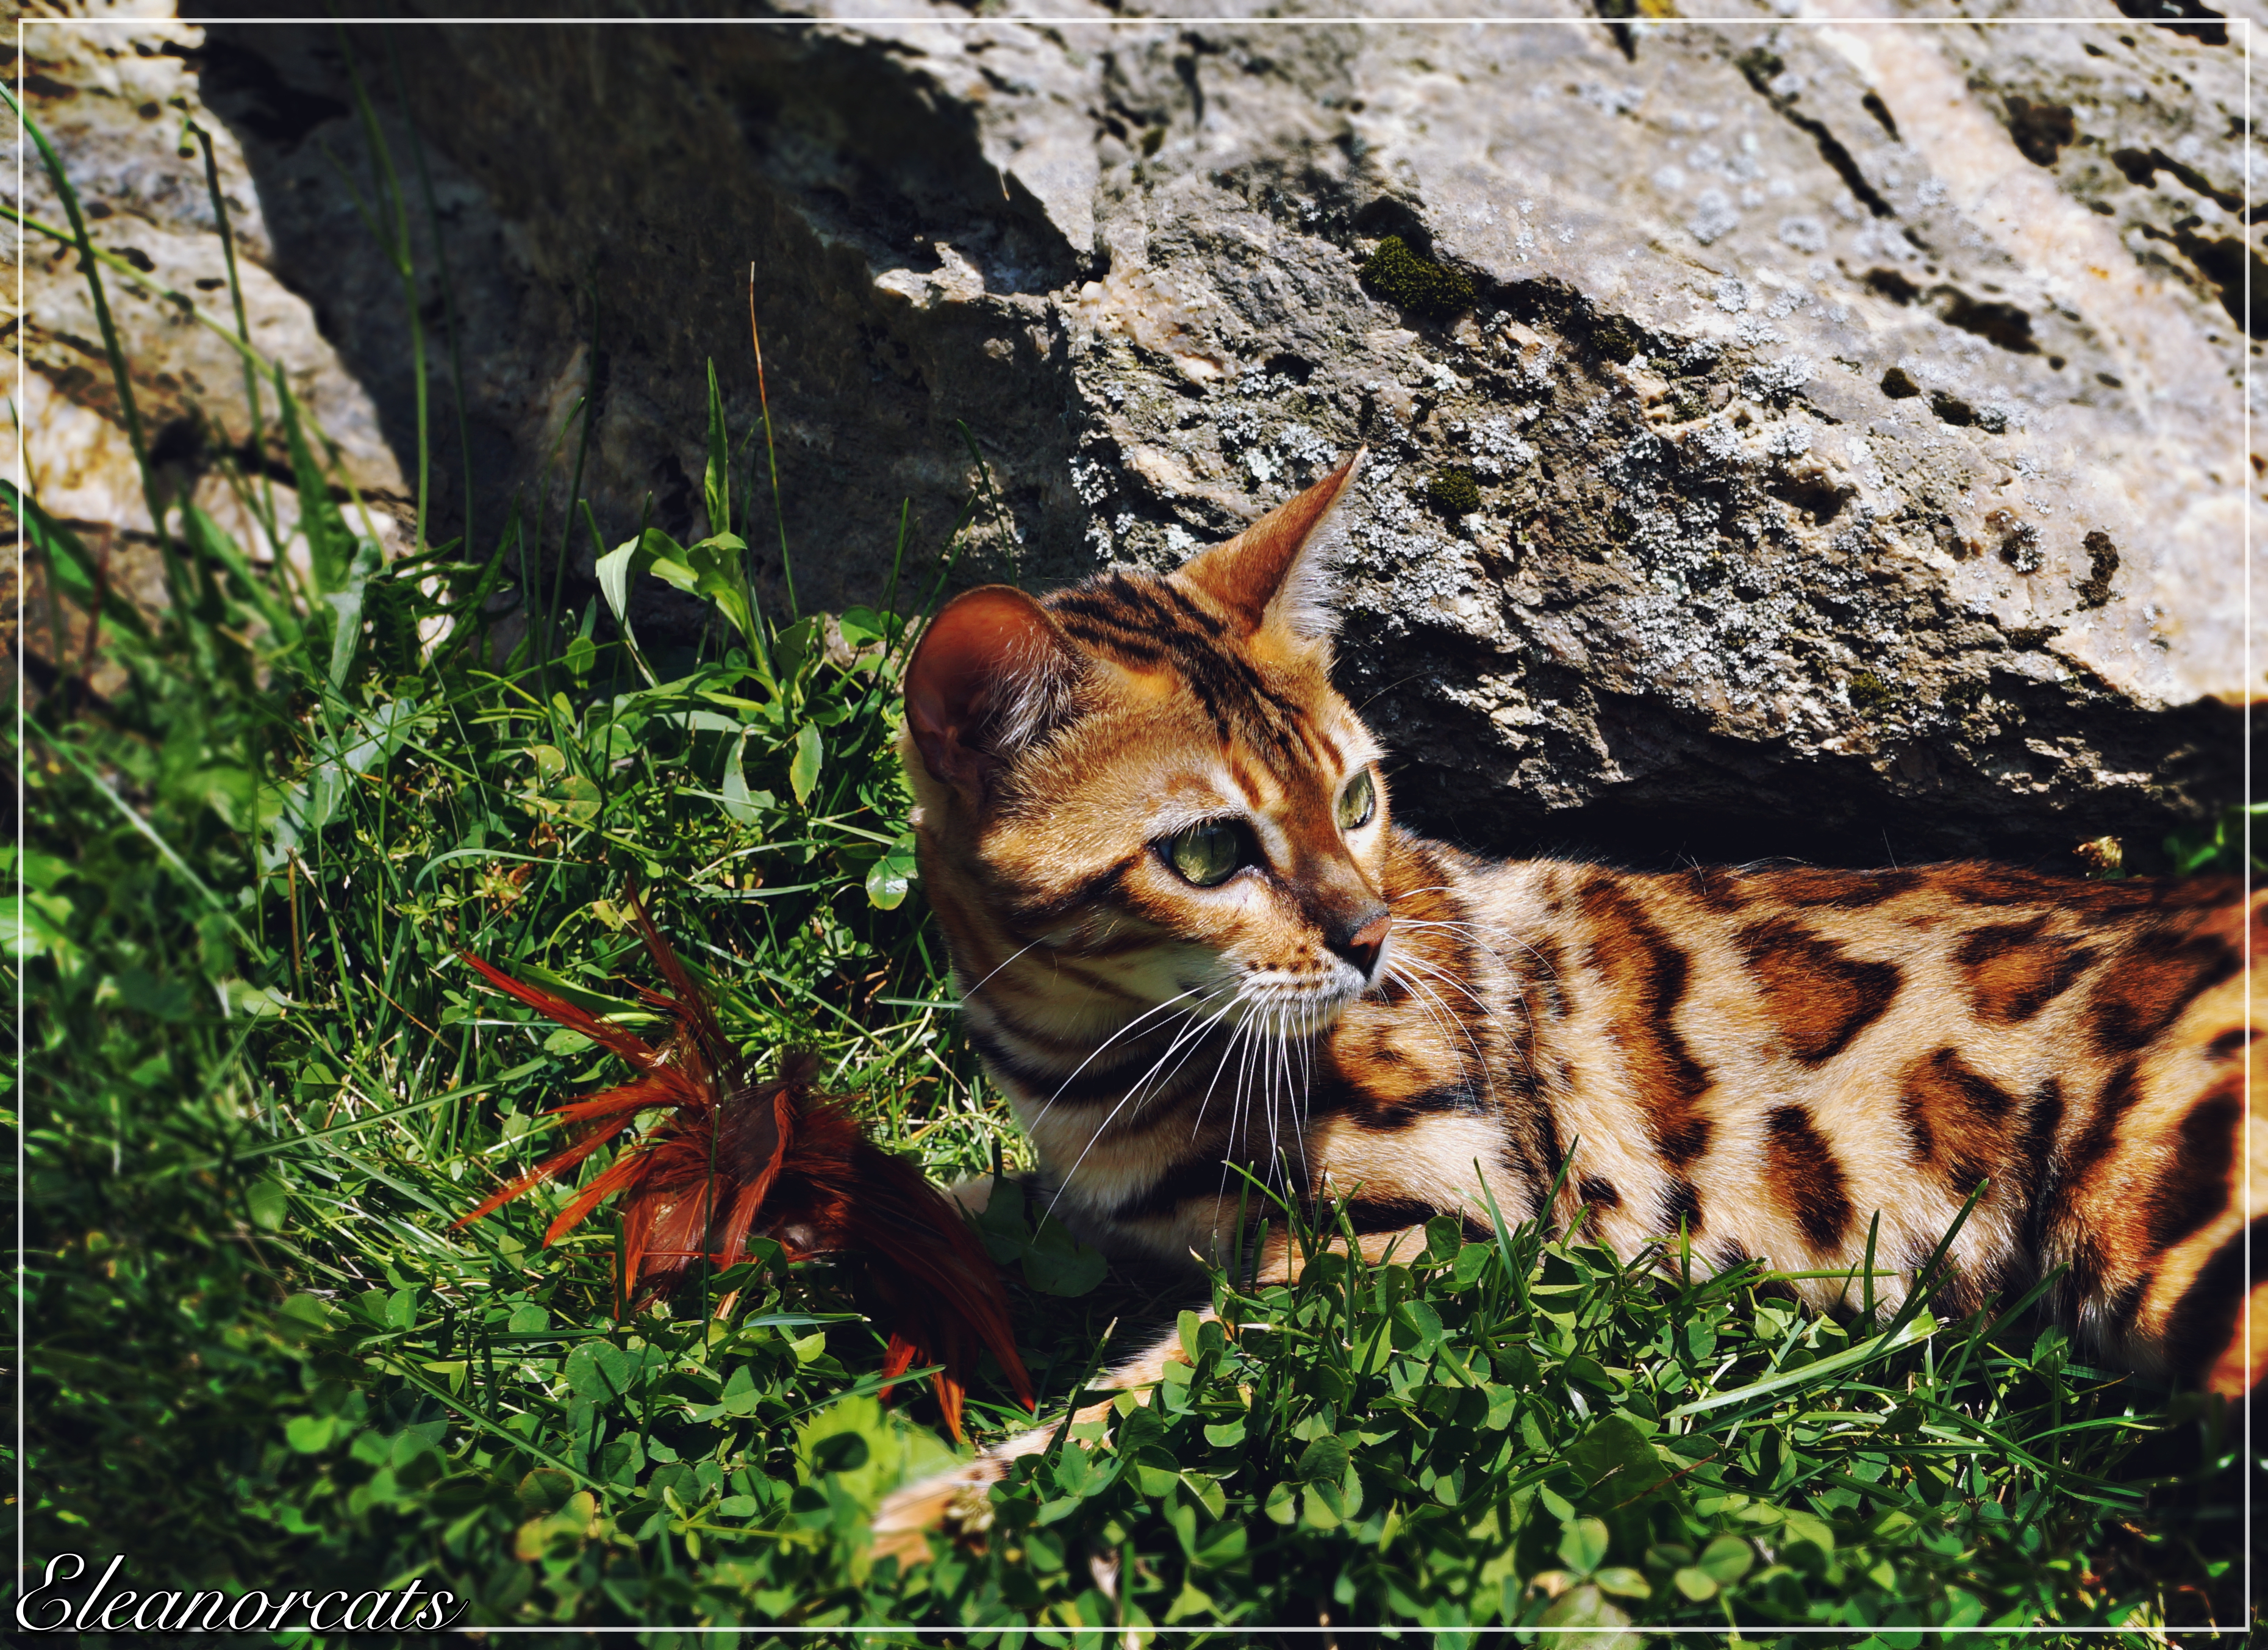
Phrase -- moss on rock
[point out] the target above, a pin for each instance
(1453, 493)
(1417, 285)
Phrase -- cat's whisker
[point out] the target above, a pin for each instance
(971, 992)
(1426, 1000)
(1072, 1172)
(1416, 987)
(1486, 941)
(1272, 1048)
(1512, 981)
(1277, 1122)
(1272, 1089)
(1477, 1001)
(1190, 1044)
(1283, 1118)
(1512, 977)
(1297, 1122)
(1307, 1175)
(1003, 963)
(1256, 1022)
(1471, 996)
(1307, 1068)
(1189, 1040)
(1192, 1033)
(1240, 1099)
(1546, 964)
(1214, 1082)
(1449, 1021)
(1185, 1026)
(1289, 1114)
(1101, 1128)
(1240, 1113)
(1243, 1029)
(1239, 1128)
(1473, 931)
(1073, 1074)
(1277, 1076)
(1220, 1192)
(1275, 1132)
(1470, 932)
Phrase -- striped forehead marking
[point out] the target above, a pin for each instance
(1251, 783)
(1149, 624)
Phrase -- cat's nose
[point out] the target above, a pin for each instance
(1362, 945)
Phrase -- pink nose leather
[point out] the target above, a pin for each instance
(1361, 946)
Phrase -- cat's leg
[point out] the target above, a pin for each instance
(974, 1195)
(958, 1502)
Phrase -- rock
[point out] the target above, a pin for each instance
(1840, 450)
(117, 104)
(666, 251)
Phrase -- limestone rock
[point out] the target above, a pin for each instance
(118, 103)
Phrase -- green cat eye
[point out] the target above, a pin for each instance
(1206, 854)
(1358, 802)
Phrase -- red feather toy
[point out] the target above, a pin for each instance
(736, 1156)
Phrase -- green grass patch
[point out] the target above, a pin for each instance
(260, 1085)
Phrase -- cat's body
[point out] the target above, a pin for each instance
(1763, 1060)
(1188, 938)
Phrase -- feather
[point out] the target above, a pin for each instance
(734, 1156)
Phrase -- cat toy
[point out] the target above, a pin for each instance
(736, 1156)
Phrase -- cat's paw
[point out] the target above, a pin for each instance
(974, 1194)
(958, 1504)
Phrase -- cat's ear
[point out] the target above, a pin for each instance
(991, 672)
(1281, 569)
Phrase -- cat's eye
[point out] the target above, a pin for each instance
(1358, 802)
(1206, 854)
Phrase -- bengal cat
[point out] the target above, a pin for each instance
(1188, 936)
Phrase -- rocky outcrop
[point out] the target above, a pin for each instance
(1786, 436)
(123, 106)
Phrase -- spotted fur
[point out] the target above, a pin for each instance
(1778, 1063)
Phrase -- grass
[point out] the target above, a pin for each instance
(259, 1085)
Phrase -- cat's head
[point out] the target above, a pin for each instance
(1151, 783)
